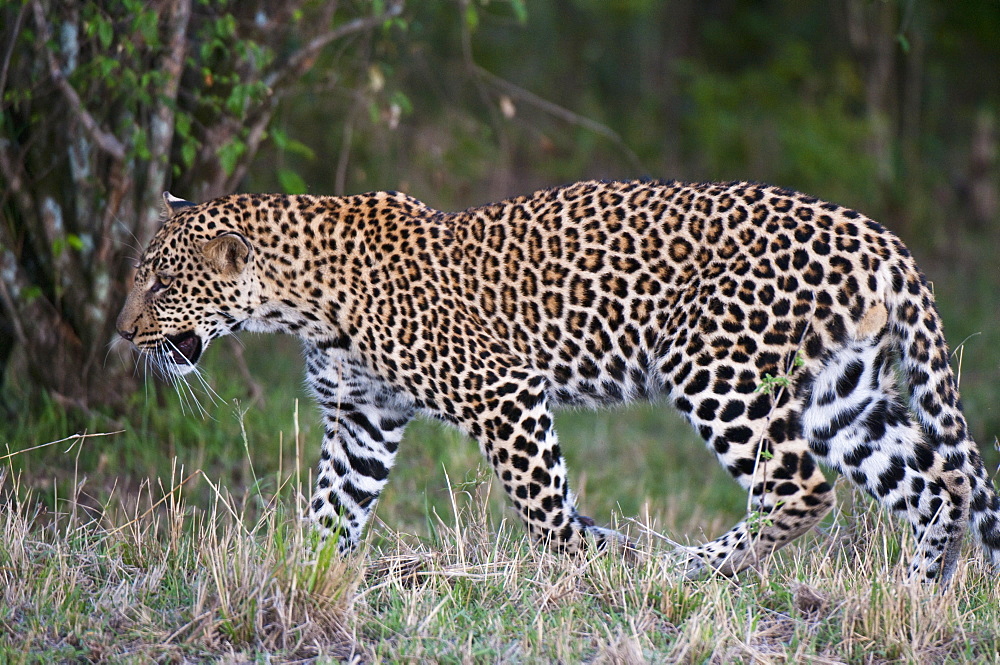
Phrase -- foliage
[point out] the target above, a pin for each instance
(878, 105)
(824, 99)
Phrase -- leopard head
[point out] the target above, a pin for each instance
(195, 282)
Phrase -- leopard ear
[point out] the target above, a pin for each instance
(173, 205)
(228, 253)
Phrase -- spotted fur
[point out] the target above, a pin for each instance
(593, 294)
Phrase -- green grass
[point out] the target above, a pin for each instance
(131, 547)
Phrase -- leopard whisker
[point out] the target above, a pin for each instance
(198, 373)
(134, 244)
(184, 391)
(214, 396)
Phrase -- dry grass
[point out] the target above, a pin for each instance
(481, 593)
(145, 576)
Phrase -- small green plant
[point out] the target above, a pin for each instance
(757, 520)
(769, 383)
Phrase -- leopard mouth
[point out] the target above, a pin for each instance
(184, 348)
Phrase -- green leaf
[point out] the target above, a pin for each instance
(237, 99)
(471, 18)
(105, 66)
(75, 242)
(520, 8)
(182, 125)
(225, 27)
(105, 32)
(404, 103)
(146, 24)
(291, 182)
(283, 142)
(229, 155)
(140, 144)
(31, 292)
(188, 153)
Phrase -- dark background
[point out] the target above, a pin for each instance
(890, 107)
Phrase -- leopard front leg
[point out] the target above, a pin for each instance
(363, 419)
(516, 433)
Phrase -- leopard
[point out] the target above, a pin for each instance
(792, 333)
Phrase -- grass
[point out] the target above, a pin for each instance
(150, 577)
(99, 566)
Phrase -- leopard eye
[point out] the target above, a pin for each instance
(160, 283)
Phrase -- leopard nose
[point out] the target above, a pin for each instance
(127, 335)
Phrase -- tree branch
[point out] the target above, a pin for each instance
(162, 123)
(296, 65)
(300, 61)
(10, 49)
(12, 169)
(559, 111)
(545, 105)
(106, 141)
(254, 138)
(14, 277)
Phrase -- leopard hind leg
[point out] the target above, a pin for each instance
(789, 495)
(757, 438)
(856, 421)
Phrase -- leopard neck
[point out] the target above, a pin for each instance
(320, 261)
